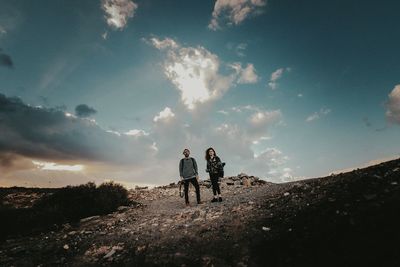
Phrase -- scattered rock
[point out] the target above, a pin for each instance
(369, 196)
(89, 218)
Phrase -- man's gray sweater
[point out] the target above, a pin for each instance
(188, 168)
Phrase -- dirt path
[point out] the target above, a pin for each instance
(157, 231)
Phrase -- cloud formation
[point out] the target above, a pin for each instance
(59, 141)
(318, 114)
(275, 76)
(163, 44)
(84, 111)
(5, 60)
(117, 12)
(196, 72)
(234, 12)
(245, 75)
(164, 115)
(271, 163)
(393, 106)
(51, 134)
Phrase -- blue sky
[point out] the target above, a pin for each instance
(282, 89)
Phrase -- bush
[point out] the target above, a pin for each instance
(68, 204)
(111, 196)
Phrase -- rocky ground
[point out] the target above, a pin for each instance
(349, 219)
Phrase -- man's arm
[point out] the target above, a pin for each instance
(195, 167)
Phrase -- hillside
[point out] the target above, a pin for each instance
(348, 219)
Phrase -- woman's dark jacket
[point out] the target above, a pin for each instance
(214, 166)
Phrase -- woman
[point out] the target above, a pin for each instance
(214, 168)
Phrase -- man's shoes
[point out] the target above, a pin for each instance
(220, 199)
(187, 204)
(200, 202)
(214, 200)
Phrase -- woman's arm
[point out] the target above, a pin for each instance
(219, 163)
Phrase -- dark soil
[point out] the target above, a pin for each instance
(349, 219)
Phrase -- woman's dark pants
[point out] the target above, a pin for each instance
(196, 186)
(214, 182)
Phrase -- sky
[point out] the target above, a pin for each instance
(103, 90)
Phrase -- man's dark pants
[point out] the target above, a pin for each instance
(196, 186)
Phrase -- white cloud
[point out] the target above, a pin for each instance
(223, 112)
(244, 108)
(260, 121)
(245, 75)
(232, 141)
(194, 71)
(270, 164)
(318, 114)
(164, 115)
(393, 105)
(136, 132)
(234, 11)
(117, 12)
(299, 95)
(163, 44)
(239, 49)
(52, 166)
(275, 76)
(263, 118)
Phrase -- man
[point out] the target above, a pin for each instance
(189, 174)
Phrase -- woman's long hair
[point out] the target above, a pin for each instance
(208, 155)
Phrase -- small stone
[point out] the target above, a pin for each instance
(66, 247)
(369, 196)
(286, 194)
(122, 208)
(109, 254)
(114, 249)
(89, 218)
(393, 183)
(246, 182)
(266, 228)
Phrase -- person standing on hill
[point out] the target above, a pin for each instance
(215, 169)
(189, 174)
